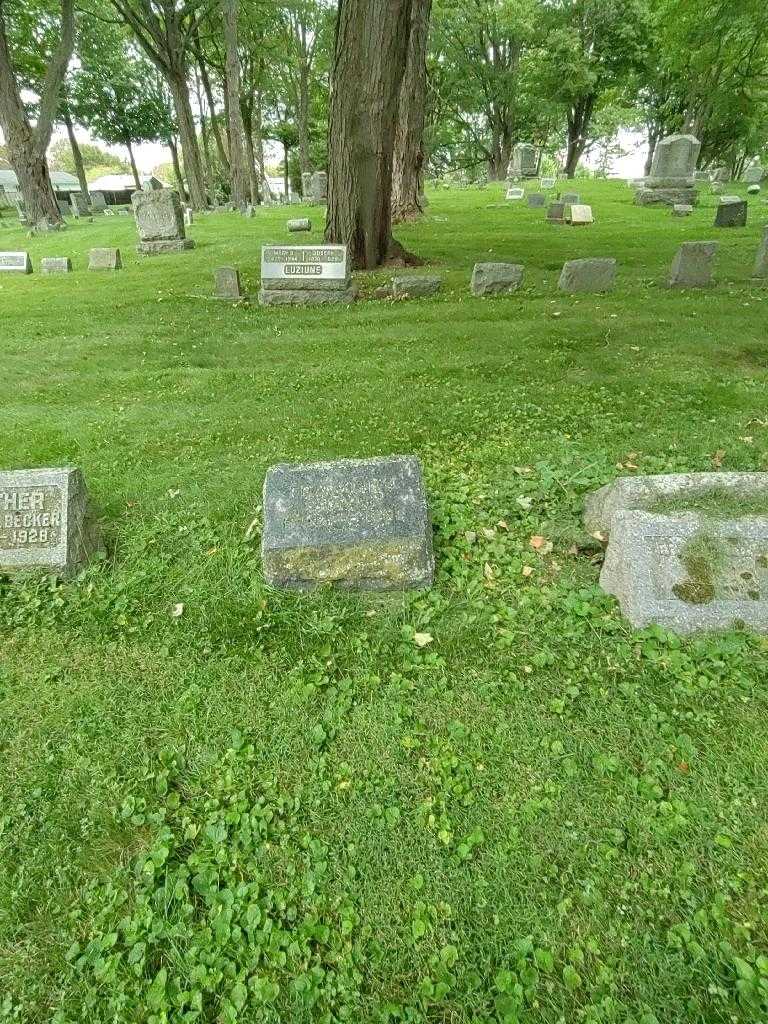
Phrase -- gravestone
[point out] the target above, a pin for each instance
(319, 187)
(689, 572)
(105, 259)
(56, 265)
(357, 524)
(306, 184)
(682, 210)
(15, 263)
(721, 175)
(716, 188)
(302, 275)
(416, 286)
(524, 162)
(160, 222)
(299, 224)
(537, 200)
(578, 214)
(684, 490)
(753, 190)
(589, 275)
(152, 185)
(571, 199)
(673, 173)
(45, 522)
(702, 175)
(496, 278)
(227, 282)
(753, 175)
(515, 193)
(249, 211)
(78, 204)
(546, 184)
(98, 203)
(731, 212)
(189, 217)
(64, 208)
(761, 261)
(693, 264)
(556, 213)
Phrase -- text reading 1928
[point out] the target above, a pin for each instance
(30, 517)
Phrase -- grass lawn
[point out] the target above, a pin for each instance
(280, 807)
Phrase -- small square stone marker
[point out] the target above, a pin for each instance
(45, 523)
(416, 286)
(536, 200)
(688, 572)
(731, 212)
(227, 281)
(105, 259)
(577, 214)
(570, 198)
(515, 194)
(15, 263)
(761, 260)
(692, 267)
(496, 278)
(358, 524)
(591, 275)
(56, 265)
(556, 213)
(682, 210)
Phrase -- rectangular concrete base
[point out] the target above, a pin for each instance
(306, 297)
(165, 246)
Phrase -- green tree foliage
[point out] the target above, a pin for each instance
(94, 157)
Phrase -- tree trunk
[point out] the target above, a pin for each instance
(26, 146)
(302, 119)
(257, 137)
(134, 168)
(579, 118)
(653, 138)
(368, 67)
(408, 160)
(174, 150)
(216, 131)
(77, 157)
(189, 148)
(286, 175)
(238, 164)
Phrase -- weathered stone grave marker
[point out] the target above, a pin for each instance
(753, 175)
(753, 190)
(693, 264)
(416, 286)
(299, 224)
(105, 259)
(160, 222)
(56, 265)
(589, 275)
(64, 208)
(761, 260)
(570, 199)
(556, 213)
(547, 184)
(227, 282)
(496, 278)
(524, 162)
(680, 552)
(98, 203)
(319, 187)
(515, 194)
(15, 263)
(682, 210)
(306, 185)
(578, 214)
(537, 200)
(672, 178)
(45, 522)
(305, 275)
(731, 212)
(357, 524)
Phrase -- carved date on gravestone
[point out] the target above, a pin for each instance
(30, 518)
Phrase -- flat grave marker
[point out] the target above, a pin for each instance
(105, 259)
(305, 275)
(56, 265)
(15, 263)
(693, 264)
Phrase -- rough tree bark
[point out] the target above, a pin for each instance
(134, 168)
(238, 164)
(408, 166)
(77, 156)
(165, 31)
(174, 151)
(26, 145)
(368, 67)
(579, 118)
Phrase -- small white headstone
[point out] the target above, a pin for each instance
(15, 262)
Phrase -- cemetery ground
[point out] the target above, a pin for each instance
(493, 801)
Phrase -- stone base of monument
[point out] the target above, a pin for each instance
(163, 246)
(650, 196)
(308, 296)
(689, 572)
(45, 522)
(356, 524)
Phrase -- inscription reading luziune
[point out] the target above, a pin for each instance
(30, 518)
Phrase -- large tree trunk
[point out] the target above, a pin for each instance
(134, 168)
(221, 149)
(368, 67)
(26, 146)
(302, 119)
(77, 157)
(174, 150)
(238, 165)
(408, 161)
(286, 170)
(579, 119)
(192, 165)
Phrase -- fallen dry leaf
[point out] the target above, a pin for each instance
(717, 458)
(177, 610)
(528, 570)
(422, 639)
(489, 534)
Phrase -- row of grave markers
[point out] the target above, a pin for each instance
(365, 525)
